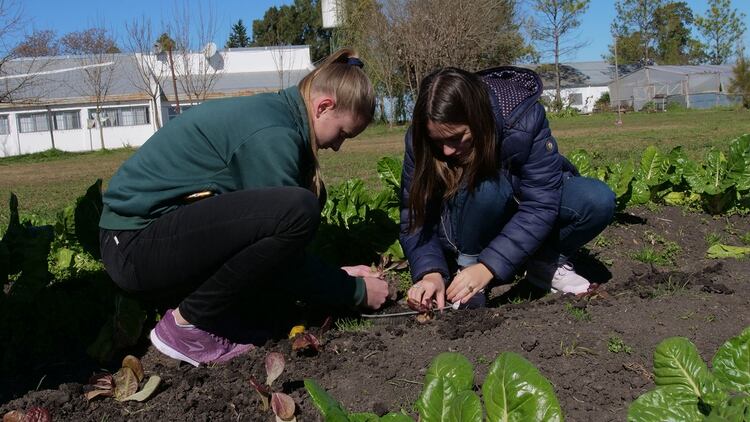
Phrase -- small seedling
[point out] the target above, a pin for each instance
(713, 238)
(281, 404)
(616, 345)
(574, 349)
(602, 241)
(123, 384)
(673, 286)
(353, 325)
(664, 255)
(306, 342)
(580, 314)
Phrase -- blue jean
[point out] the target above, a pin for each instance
(586, 208)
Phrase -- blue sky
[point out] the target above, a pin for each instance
(72, 15)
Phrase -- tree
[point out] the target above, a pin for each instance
(150, 72)
(721, 27)
(166, 43)
(18, 88)
(674, 42)
(300, 23)
(194, 30)
(740, 82)
(555, 20)
(238, 37)
(97, 57)
(637, 16)
(89, 41)
(38, 44)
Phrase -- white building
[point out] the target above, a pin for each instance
(581, 83)
(53, 100)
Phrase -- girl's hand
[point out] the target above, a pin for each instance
(361, 271)
(377, 292)
(467, 282)
(430, 287)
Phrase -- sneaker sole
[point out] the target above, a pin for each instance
(172, 353)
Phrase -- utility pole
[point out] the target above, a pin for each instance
(618, 122)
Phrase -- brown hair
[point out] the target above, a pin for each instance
(450, 96)
(351, 88)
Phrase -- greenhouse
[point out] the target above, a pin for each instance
(702, 86)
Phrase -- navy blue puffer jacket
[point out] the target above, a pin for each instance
(531, 162)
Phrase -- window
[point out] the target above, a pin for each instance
(33, 122)
(4, 126)
(123, 116)
(65, 120)
(575, 99)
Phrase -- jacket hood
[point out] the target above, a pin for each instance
(512, 90)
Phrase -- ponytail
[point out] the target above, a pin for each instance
(341, 76)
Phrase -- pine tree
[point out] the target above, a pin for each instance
(238, 37)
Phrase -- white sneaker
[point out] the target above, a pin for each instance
(562, 278)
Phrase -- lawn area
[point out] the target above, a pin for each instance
(45, 183)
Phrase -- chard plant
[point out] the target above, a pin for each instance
(365, 222)
(686, 390)
(282, 405)
(514, 390)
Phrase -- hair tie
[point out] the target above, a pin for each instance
(355, 61)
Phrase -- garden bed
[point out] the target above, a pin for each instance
(596, 352)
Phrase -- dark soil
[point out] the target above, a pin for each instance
(381, 369)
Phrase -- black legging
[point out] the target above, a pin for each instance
(214, 249)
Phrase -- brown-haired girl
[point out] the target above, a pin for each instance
(254, 159)
(485, 191)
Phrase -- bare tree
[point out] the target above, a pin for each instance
(151, 72)
(470, 34)
(555, 20)
(378, 44)
(38, 44)
(97, 61)
(17, 77)
(194, 29)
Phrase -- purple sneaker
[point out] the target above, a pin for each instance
(191, 344)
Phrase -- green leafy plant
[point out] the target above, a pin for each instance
(687, 391)
(721, 251)
(616, 344)
(513, 390)
(577, 312)
(658, 251)
(366, 222)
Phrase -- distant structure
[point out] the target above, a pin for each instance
(52, 110)
(702, 86)
(331, 12)
(581, 83)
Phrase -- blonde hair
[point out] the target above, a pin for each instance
(351, 88)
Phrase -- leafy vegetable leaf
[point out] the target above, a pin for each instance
(327, 405)
(732, 362)
(436, 400)
(274, 366)
(677, 363)
(721, 251)
(454, 367)
(389, 170)
(466, 408)
(514, 390)
(674, 403)
(652, 166)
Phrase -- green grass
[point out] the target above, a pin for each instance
(658, 251)
(46, 182)
(579, 314)
(353, 325)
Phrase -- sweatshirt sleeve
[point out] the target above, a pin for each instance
(539, 202)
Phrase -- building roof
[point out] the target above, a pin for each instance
(579, 74)
(63, 80)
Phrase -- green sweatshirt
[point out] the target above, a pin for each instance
(221, 146)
